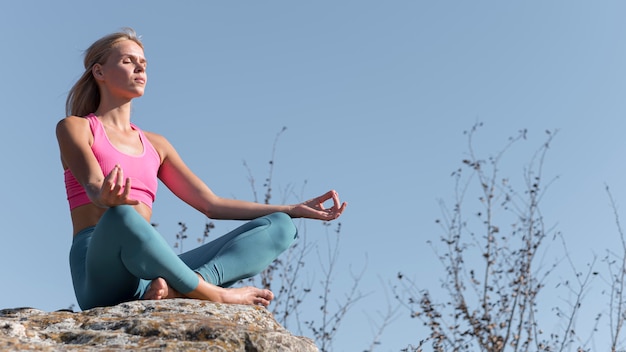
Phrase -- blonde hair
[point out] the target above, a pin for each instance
(84, 97)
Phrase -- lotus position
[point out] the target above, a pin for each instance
(112, 168)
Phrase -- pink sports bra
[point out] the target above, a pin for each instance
(141, 169)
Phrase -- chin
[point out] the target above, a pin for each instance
(137, 94)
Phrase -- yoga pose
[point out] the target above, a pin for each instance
(111, 171)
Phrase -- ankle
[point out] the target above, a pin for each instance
(200, 276)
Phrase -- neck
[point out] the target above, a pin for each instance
(115, 115)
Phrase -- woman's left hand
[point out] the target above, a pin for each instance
(314, 208)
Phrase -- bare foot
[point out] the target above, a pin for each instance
(159, 289)
(248, 295)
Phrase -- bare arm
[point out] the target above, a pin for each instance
(75, 139)
(188, 187)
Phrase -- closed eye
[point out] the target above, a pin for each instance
(136, 60)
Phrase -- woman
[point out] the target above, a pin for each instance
(111, 170)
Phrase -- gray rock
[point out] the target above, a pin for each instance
(166, 325)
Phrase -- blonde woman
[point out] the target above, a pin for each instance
(111, 170)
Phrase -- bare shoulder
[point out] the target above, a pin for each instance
(72, 120)
(74, 137)
(159, 142)
(156, 138)
(72, 125)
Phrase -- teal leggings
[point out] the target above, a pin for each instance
(115, 260)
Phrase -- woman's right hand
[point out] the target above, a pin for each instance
(115, 190)
(248, 295)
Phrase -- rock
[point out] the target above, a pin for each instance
(166, 325)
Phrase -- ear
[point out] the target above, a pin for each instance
(96, 71)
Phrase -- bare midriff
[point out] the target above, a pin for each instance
(88, 215)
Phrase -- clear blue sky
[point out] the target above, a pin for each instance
(375, 96)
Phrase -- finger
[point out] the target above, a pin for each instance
(112, 173)
(326, 196)
(336, 201)
(332, 194)
(335, 213)
(119, 181)
(109, 180)
(113, 180)
(323, 198)
(117, 189)
(340, 211)
(126, 188)
(126, 194)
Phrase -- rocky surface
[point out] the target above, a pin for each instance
(167, 325)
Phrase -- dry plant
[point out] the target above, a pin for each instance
(489, 250)
(181, 236)
(616, 264)
(286, 276)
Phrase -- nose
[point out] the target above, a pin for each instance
(140, 68)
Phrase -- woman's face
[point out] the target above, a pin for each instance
(124, 72)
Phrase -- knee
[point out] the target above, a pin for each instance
(283, 230)
(119, 213)
(125, 221)
(283, 222)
